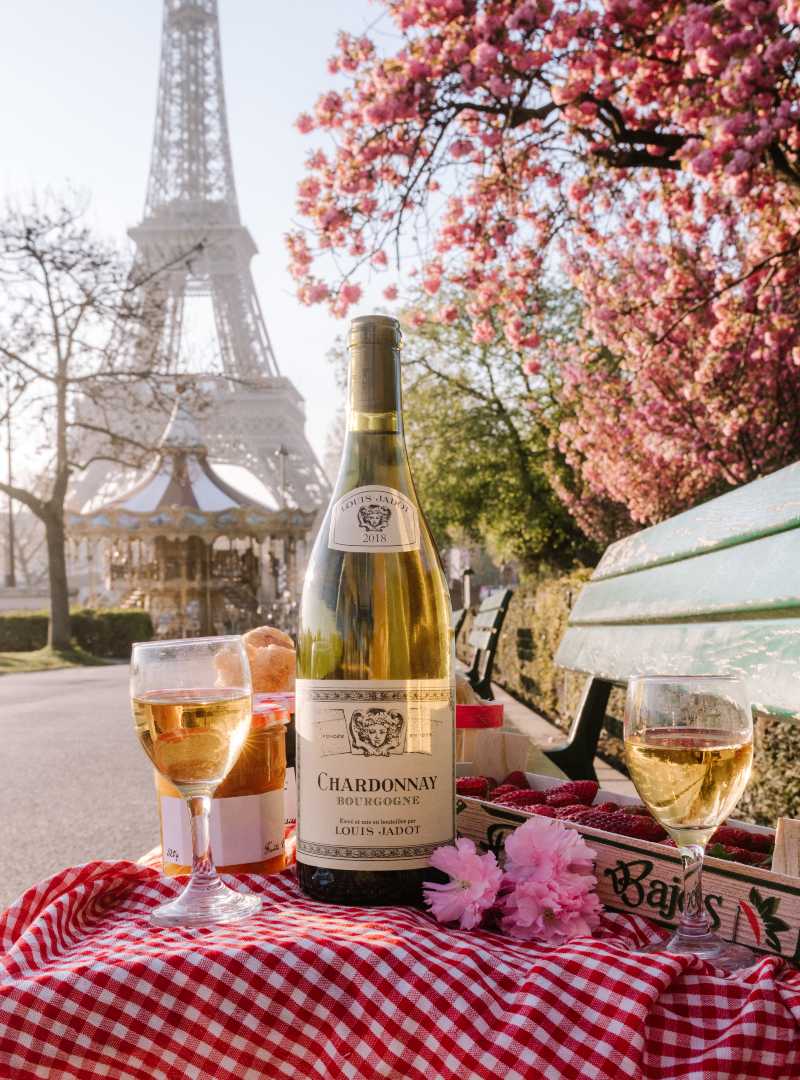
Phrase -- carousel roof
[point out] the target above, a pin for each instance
(183, 494)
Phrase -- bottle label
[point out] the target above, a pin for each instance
(374, 518)
(375, 774)
(244, 829)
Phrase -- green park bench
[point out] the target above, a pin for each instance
(459, 615)
(714, 590)
(482, 639)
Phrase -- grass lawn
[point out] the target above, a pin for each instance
(45, 659)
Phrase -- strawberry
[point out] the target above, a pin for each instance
(518, 779)
(640, 827)
(607, 807)
(522, 799)
(542, 811)
(473, 787)
(574, 791)
(636, 808)
(741, 838)
(597, 819)
(737, 854)
(555, 798)
(499, 792)
(570, 812)
(623, 825)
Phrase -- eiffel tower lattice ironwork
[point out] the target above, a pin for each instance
(258, 418)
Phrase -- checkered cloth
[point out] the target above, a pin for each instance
(90, 989)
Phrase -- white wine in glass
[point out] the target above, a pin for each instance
(192, 706)
(193, 737)
(689, 748)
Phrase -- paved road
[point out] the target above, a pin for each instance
(74, 784)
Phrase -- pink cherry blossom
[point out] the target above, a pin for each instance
(483, 332)
(551, 911)
(652, 152)
(485, 55)
(548, 889)
(542, 849)
(472, 890)
(351, 293)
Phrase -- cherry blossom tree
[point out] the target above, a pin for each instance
(685, 380)
(649, 150)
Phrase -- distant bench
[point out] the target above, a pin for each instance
(715, 590)
(482, 638)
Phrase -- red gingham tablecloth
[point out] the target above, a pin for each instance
(91, 989)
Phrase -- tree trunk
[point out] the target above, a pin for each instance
(58, 636)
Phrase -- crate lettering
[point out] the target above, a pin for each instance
(632, 883)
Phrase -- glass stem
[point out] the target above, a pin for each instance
(203, 869)
(694, 920)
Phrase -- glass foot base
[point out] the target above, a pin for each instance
(206, 904)
(722, 954)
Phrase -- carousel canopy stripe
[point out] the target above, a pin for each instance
(181, 479)
(178, 522)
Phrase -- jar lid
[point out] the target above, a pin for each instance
(268, 714)
(485, 715)
(285, 698)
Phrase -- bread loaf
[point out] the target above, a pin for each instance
(272, 659)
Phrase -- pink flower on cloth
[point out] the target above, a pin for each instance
(543, 849)
(549, 883)
(550, 911)
(474, 886)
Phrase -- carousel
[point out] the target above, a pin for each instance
(196, 553)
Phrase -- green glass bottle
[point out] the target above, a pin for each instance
(375, 698)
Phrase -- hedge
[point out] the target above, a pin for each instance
(108, 633)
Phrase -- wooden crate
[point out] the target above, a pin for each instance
(745, 904)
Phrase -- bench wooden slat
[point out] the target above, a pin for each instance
(765, 506)
(765, 651)
(487, 614)
(760, 576)
(483, 637)
(484, 620)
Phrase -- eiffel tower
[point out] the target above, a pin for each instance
(258, 416)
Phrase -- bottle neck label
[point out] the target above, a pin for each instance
(374, 518)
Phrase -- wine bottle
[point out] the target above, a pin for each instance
(375, 694)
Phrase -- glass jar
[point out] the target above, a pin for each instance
(286, 700)
(247, 810)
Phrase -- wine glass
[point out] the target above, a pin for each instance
(192, 708)
(689, 748)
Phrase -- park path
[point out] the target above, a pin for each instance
(74, 784)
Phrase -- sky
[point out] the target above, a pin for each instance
(78, 90)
